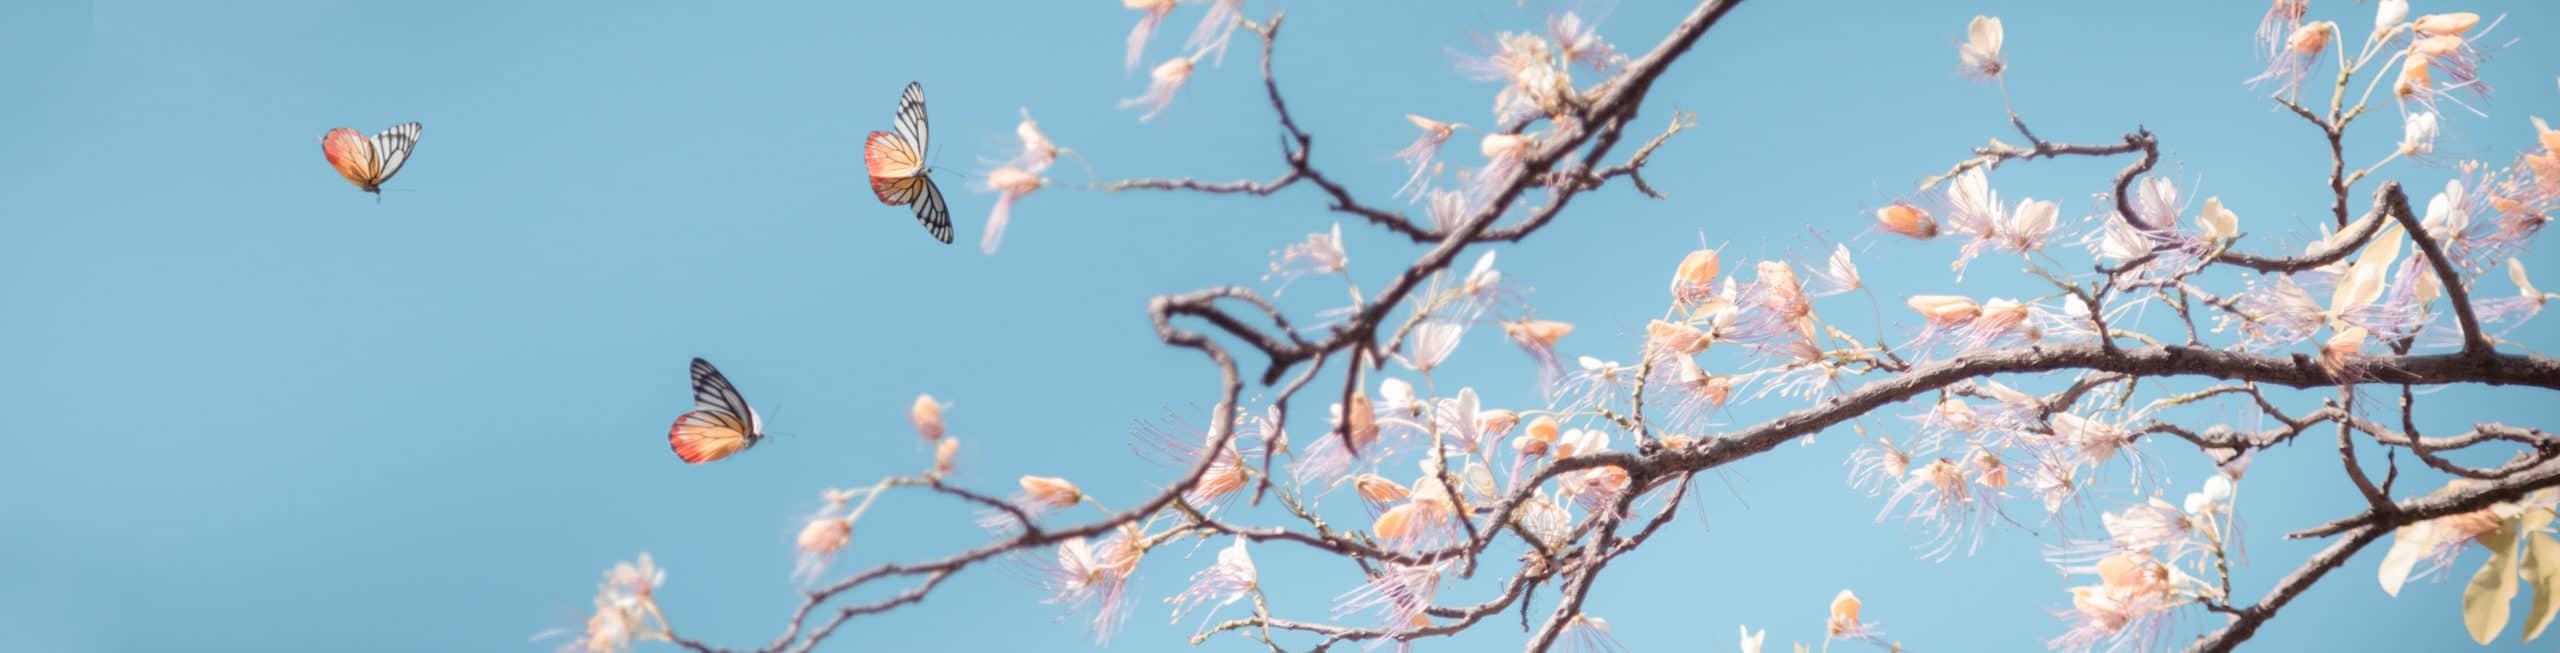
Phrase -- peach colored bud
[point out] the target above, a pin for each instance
(2345, 342)
(1903, 218)
(1844, 613)
(1377, 489)
(2436, 46)
(2310, 38)
(945, 455)
(1438, 130)
(825, 536)
(1678, 337)
(1677, 441)
(1697, 270)
(2121, 570)
(1012, 179)
(2450, 23)
(1406, 520)
(1942, 473)
(2414, 77)
(1993, 474)
(2340, 347)
(1716, 389)
(1496, 422)
(1053, 492)
(1543, 332)
(1958, 415)
(1502, 145)
(1945, 309)
(1539, 440)
(1362, 422)
(1543, 428)
(1172, 72)
(2550, 137)
(2001, 315)
(927, 416)
(1896, 461)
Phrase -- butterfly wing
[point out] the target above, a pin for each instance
(931, 211)
(353, 155)
(391, 150)
(891, 161)
(911, 124)
(720, 423)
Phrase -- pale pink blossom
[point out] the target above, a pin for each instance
(1947, 504)
(2147, 526)
(1155, 13)
(1424, 149)
(2275, 314)
(1329, 457)
(1230, 580)
(1426, 519)
(2027, 228)
(819, 542)
(1320, 253)
(1588, 634)
(1167, 80)
(1430, 344)
(1538, 338)
(1533, 81)
(1088, 576)
(2293, 60)
(1037, 150)
(1981, 49)
(2127, 609)
(1398, 594)
(1217, 26)
(1877, 466)
(1576, 42)
(1503, 154)
(2282, 19)
(1010, 185)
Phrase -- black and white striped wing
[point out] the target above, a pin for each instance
(713, 392)
(911, 124)
(391, 149)
(932, 212)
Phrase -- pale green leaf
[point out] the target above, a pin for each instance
(2486, 602)
(2407, 545)
(2542, 571)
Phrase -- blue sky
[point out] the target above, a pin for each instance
(259, 410)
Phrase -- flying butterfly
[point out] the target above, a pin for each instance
(720, 423)
(898, 172)
(367, 162)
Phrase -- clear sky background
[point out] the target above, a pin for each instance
(257, 410)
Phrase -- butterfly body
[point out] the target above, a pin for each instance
(899, 176)
(368, 162)
(721, 423)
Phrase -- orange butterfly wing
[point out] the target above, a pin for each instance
(893, 164)
(352, 154)
(706, 435)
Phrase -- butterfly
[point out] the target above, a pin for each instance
(720, 423)
(367, 162)
(898, 173)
